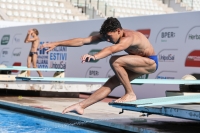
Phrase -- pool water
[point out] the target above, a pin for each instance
(13, 122)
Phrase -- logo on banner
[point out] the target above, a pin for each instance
(146, 32)
(166, 34)
(93, 72)
(16, 64)
(58, 64)
(16, 38)
(92, 52)
(4, 52)
(167, 55)
(166, 58)
(193, 59)
(166, 75)
(193, 35)
(58, 57)
(5, 39)
(16, 52)
(42, 61)
(6, 63)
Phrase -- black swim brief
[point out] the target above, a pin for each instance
(32, 53)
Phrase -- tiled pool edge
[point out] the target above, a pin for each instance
(8, 105)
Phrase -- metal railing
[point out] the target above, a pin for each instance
(103, 8)
(189, 4)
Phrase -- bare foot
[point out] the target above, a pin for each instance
(74, 108)
(126, 98)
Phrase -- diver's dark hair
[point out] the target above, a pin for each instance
(110, 25)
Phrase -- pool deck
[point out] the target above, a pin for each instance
(103, 114)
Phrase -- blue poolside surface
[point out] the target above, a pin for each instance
(13, 122)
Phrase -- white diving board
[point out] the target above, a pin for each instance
(174, 106)
(103, 80)
(160, 101)
(30, 69)
(9, 77)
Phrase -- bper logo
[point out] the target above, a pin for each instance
(167, 34)
(92, 52)
(93, 72)
(146, 32)
(193, 59)
(5, 39)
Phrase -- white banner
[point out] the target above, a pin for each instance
(175, 37)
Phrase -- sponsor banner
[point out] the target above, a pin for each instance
(193, 59)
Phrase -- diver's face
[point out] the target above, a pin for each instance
(114, 36)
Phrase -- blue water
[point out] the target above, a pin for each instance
(13, 122)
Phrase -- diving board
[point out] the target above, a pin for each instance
(9, 77)
(30, 69)
(175, 106)
(160, 101)
(103, 80)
